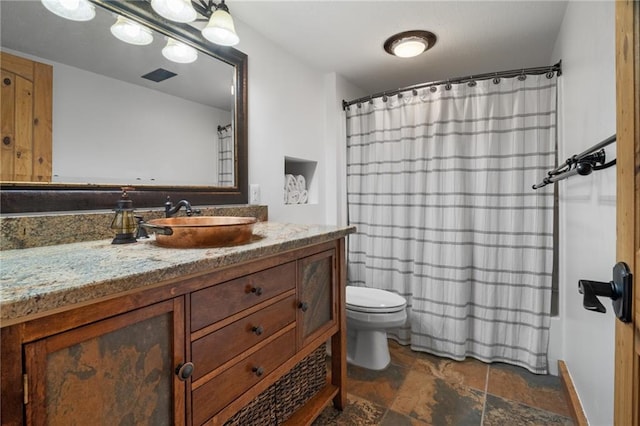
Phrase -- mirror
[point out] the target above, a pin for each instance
(124, 140)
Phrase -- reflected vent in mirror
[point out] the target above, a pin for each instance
(159, 75)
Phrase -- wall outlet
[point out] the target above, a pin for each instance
(254, 193)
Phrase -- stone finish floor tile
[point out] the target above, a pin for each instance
(401, 355)
(470, 372)
(419, 389)
(379, 387)
(437, 402)
(391, 418)
(358, 412)
(502, 412)
(518, 384)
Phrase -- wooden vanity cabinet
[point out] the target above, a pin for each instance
(189, 351)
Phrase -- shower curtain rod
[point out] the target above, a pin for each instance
(470, 78)
(580, 164)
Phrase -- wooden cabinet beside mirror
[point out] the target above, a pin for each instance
(27, 92)
(190, 351)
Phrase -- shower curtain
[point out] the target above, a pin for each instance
(439, 188)
(225, 156)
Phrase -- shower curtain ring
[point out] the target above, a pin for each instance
(448, 85)
(550, 73)
(496, 79)
(522, 76)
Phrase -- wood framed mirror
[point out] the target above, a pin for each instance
(61, 190)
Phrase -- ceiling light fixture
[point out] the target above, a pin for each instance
(131, 32)
(74, 10)
(179, 52)
(408, 44)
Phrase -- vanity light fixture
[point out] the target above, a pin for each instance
(131, 32)
(408, 44)
(220, 29)
(75, 10)
(179, 52)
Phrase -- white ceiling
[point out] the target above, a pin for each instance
(333, 35)
(27, 27)
(347, 36)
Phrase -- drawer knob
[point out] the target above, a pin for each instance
(303, 306)
(257, 291)
(259, 371)
(184, 370)
(258, 330)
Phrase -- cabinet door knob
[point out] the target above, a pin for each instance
(259, 371)
(184, 370)
(258, 330)
(257, 291)
(303, 306)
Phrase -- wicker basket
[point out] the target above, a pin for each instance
(259, 412)
(298, 386)
(278, 402)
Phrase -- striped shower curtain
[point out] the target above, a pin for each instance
(439, 188)
(225, 156)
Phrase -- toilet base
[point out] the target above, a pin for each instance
(368, 349)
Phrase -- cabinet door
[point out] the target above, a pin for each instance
(26, 132)
(317, 310)
(118, 371)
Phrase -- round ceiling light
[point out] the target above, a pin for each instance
(408, 44)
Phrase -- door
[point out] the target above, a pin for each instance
(26, 98)
(317, 289)
(627, 357)
(120, 370)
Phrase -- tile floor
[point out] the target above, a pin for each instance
(420, 389)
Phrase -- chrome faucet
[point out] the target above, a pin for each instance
(171, 210)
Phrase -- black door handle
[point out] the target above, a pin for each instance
(618, 290)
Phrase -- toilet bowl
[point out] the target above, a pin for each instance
(370, 313)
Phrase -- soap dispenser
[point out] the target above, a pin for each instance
(124, 222)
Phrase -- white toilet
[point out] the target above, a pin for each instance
(370, 313)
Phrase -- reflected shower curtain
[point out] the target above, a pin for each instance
(225, 156)
(439, 188)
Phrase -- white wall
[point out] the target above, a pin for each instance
(286, 119)
(337, 90)
(586, 45)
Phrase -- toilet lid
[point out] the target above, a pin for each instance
(365, 299)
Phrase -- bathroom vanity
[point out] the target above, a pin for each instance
(140, 334)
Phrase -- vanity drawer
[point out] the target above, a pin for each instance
(213, 350)
(218, 392)
(220, 301)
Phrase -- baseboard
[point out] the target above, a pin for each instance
(571, 395)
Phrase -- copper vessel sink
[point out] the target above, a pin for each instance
(201, 231)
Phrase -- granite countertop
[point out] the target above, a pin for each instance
(37, 280)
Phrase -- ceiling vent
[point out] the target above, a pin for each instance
(159, 75)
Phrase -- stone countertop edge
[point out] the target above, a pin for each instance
(38, 280)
